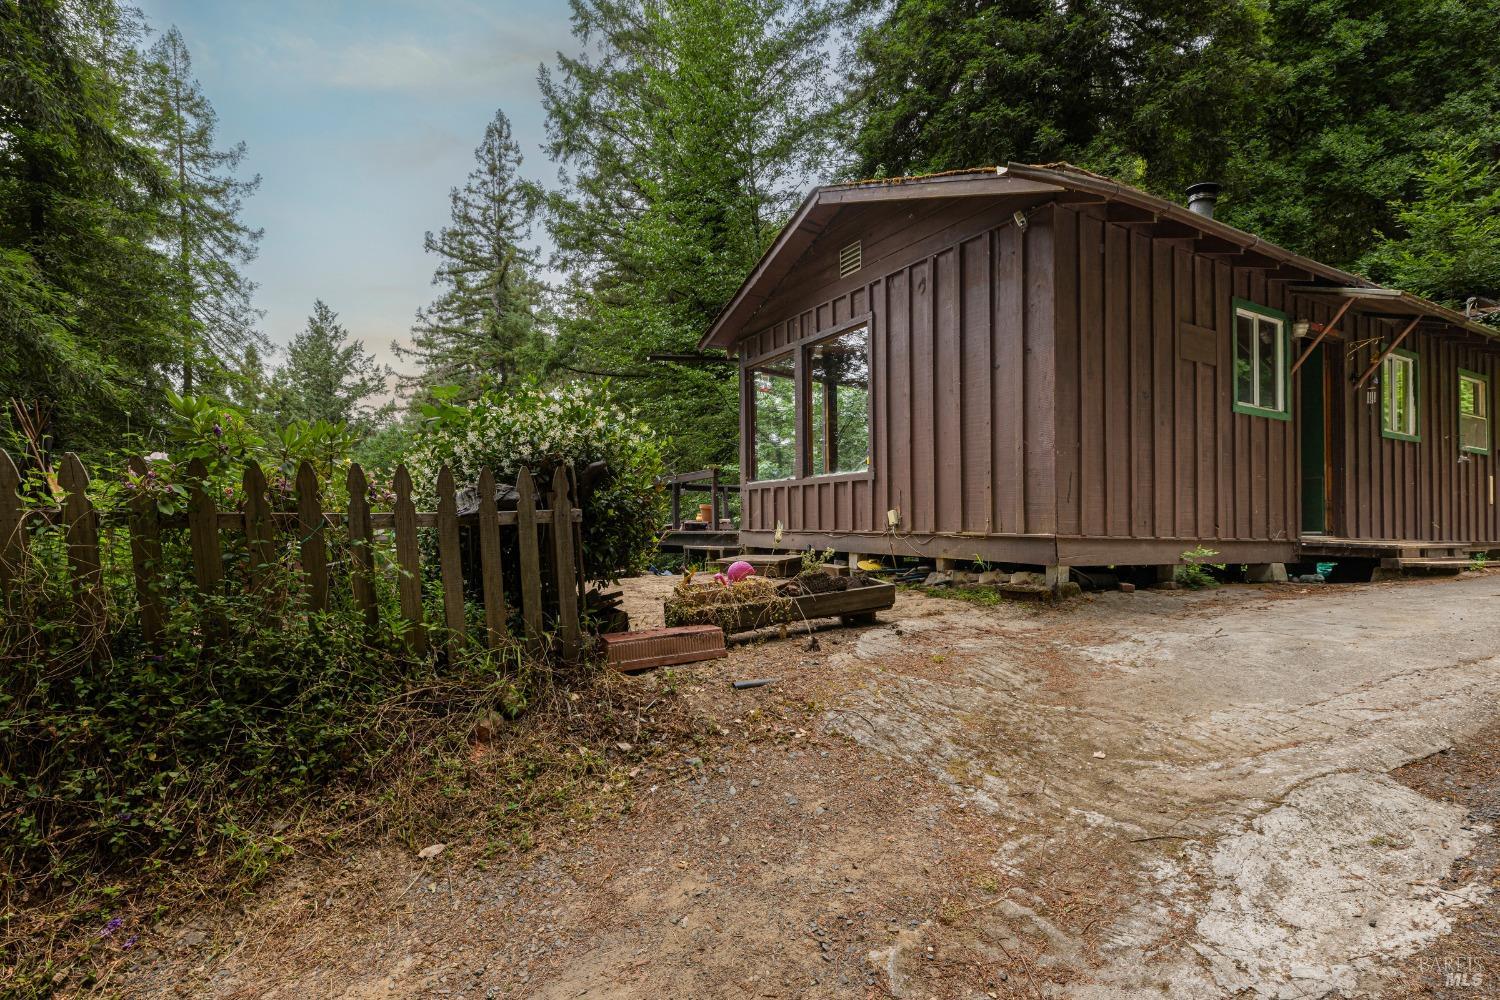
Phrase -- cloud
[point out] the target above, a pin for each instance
(474, 61)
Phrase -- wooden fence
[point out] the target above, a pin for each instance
(542, 550)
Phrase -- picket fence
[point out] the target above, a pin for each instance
(542, 551)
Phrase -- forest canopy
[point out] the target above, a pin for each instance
(682, 133)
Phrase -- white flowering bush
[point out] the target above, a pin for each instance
(575, 424)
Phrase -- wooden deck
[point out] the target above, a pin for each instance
(1333, 547)
(682, 540)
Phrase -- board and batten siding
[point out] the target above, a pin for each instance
(1427, 490)
(1064, 392)
(958, 300)
(1149, 447)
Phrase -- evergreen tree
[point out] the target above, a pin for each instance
(210, 243)
(1446, 244)
(328, 376)
(1364, 92)
(482, 330)
(688, 129)
(84, 322)
(1151, 90)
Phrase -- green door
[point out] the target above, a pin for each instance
(1312, 417)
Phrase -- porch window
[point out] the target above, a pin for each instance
(1473, 412)
(839, 403)
(1398, 397)
(773, 386)
(1260, 361)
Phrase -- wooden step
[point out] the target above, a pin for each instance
(1436, 564)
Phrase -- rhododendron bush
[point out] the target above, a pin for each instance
(576, 424)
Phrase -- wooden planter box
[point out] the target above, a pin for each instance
(857, 604)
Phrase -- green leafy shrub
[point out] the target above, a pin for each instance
(1194, 571)
(539, 429)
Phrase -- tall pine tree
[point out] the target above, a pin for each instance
(84, 322)
(209, 241)
(327, 375)
(1364, 93)
(688, 129)
(482, 330)
(1153, 90)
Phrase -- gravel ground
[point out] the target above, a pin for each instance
(1165, 794)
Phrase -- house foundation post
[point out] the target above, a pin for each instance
(1056, 577)
(946, 565)
(1266, 573)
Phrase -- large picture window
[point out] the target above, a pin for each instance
(1398, 397)
(1260, 361)
(773, 386)
(1473, 412)
(839, 403)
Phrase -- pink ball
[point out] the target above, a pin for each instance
(739, 570)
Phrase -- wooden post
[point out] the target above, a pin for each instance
(145, 556)
(564, 565)
(676, 505)
(260, 528)
(361, 542)
(82, 524)
(448, 562)
(531, 569)
(203, 530)
(12, 525)
(491, 570)
(410, 561)
(713, 499)
(311, 526)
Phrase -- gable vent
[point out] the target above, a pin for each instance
(850, 259)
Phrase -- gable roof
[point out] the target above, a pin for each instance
(1040, 184)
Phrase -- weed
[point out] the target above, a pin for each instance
(813, 561)
(1478, 561)
(983, 596)
(1194, 571)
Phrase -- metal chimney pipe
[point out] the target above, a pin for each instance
(1202, 197)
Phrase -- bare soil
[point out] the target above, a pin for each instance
(1165, 794)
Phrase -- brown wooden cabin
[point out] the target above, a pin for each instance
(1043, 366)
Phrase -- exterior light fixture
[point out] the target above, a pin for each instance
(1301, 328)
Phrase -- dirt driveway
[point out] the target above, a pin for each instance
(1159, 794)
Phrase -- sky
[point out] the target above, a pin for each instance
(359, 118)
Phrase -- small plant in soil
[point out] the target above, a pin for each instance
(1194, 571)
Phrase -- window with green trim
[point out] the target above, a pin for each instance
(1260, 360)
(1473, 412)
(1398, 396)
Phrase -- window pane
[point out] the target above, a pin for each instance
(1466, 395)
(1244, 358)
(775, 387)
(1474, 432)
(1398, 395)
(840, 407)
(1268, 371)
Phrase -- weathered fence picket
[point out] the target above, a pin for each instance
(409, 561)
(531, 565)
(203, 531)
(145, 556)
(563, 564)
(12, 523)
(269, 532)
(449, 566)
(260, 528)
(491, 570)
(314, 546)
(82, 528)
(362, 547)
